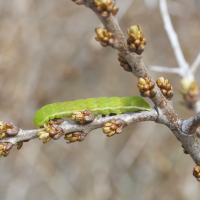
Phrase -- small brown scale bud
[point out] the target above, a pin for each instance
(19, 145)
(74, 137)
(196, 173)
(165, 87)
(190, 92)
(50, 130)
(105, 7)
(3, 151)
(83, 117)
(184, 150)
(113, 127)
(146, 87)
(115, 10)
(104, 37)
(136, 39)
(124, 63)
(79, 2)
(8, 129)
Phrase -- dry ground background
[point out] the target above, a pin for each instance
(47, 56)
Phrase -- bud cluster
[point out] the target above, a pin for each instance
(50, 131)
(113, 127)
(104, 37)
(3, 151)
(124, 63)
(83, 117)
(190, 92)
(43, 135)
(146, 87)
(105, 7)
(74, 137)
(136, 39)
(165, 87)
(196, 173)
(8, 129)
(79, 2)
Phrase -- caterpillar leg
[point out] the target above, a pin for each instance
(113, 127)
(83, 117)
(76, 136)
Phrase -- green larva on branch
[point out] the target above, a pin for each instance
(102, 105)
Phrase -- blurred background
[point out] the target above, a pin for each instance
(48, 55)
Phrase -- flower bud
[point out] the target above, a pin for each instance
(165, 87)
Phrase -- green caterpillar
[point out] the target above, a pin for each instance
(102, 105)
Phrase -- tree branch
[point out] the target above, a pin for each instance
(173, 36)
(189, 126)
(97, 123)
(166, 114)
(165, 69)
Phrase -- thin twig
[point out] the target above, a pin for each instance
(173, 36)
(165, 69)
(97, 123)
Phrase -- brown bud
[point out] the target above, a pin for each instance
(147, 94)
(151, 85)
(111, 42)
(132, 47)
(141, 81)
(161, 79)
(105, 39)
(164, 92)
(137, 43)
(163, 86)
(105, 14)
(153, 92)
(147, 80)
(127, 68)
(146, 87)
(115, 10)
(104, 44)
(141, 87)
(170, 94)
(140, 49)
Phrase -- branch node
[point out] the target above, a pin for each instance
(124, 63)
(74, 137)
(104, 8)
(146, 87)
(83, 117)
(114, 127)
(136, 39)
(49, 131)
(8, 129)
(165, 87)
(104, 37)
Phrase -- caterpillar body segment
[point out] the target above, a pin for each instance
(102, 105)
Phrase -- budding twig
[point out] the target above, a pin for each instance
(55, 131)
